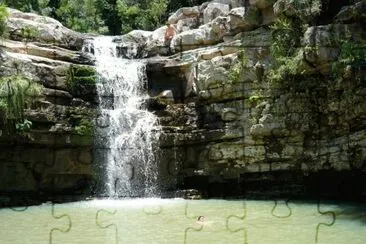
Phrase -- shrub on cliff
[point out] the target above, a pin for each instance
(16, 93)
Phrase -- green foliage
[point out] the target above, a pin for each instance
(81, 121)
(146, 15)
(237, 69)
(286, 68)
(29, 33)
(104, 16)
(156, 10)
(109, 15)
(256, 97)
(286, 35)
(23, 5)
(85, 127)
(286, 40)
(79, 78)
(26, 125)
(3, 16)
(352, 54)
(81, 15)
(16, 93)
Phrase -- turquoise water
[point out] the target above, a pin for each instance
(175, 221)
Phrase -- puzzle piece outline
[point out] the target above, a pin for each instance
(245, 233)
(186, 230)
(58, 229)
(283, 216)
(107, 226)
(332, 214)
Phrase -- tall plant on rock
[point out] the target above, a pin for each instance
(286, 35)
(16, 93)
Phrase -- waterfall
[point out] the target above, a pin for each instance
(125, 132)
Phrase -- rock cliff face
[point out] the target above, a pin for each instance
(231, 129)
(236, 120)
(55, 156)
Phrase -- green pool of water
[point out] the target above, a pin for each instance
(175, 221)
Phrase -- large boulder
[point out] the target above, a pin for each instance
(33, 27)
(155, 45)
(331, 35)
(213, 10)
(193, 38)
(46, 51)
(323, 42)
(184, 13)
(50, 73)
(244, 19)
(307, 10)
(187, 24)
(219, 28)
(207, 34)
(132, 44)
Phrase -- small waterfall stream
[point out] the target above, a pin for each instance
(124, 131)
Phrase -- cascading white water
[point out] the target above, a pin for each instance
(124, 131)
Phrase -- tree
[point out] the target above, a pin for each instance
(104, 16)
(23, 5)
(146, 15)
(82, 15)
(109, 14)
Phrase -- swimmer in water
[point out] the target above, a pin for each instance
(200, 219)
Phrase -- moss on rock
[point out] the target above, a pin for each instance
(81, 120)
(80, 80)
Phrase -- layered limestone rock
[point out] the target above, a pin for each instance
(200, 26)
(236, 132)
(48, 30)
(54, 157)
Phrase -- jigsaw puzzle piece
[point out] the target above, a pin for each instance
(90, 223)
(330, 222)
(237, 222)
(217, 225)
(146, 215)
(343, 223)
(56, 230)
(36, 224)
(285, 221)
(104, 220)
(164, 218)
